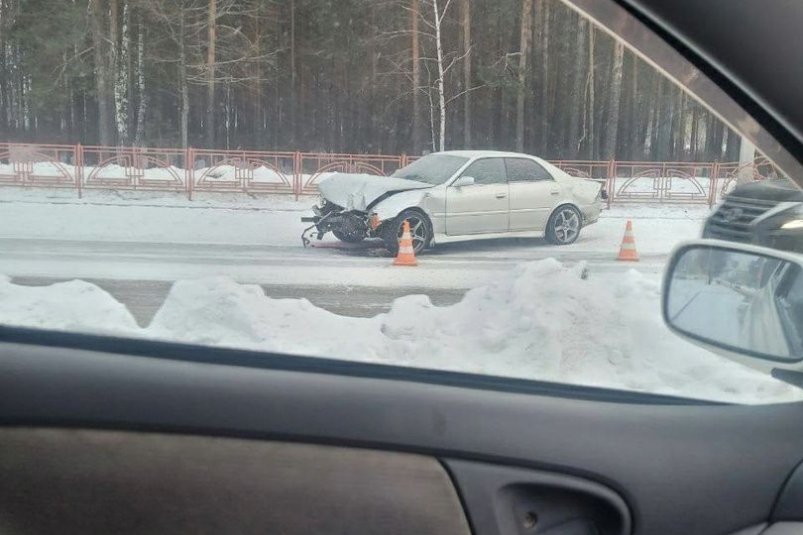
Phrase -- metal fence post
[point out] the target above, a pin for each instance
(712, 184)
(189, 173)
(78, 167)
(297, 180)
(611, 181)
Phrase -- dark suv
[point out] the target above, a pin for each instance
(767, 213)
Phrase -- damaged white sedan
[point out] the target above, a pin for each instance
(457, 196)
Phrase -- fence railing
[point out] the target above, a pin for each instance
(297, 173)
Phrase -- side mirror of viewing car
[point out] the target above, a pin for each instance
(463, 181)
(742, 301)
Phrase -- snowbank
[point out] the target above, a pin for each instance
(70, 306)
(543, 322)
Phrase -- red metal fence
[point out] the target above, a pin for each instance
(297, 173)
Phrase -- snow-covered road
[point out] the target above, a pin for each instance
(452, 266)
(142, 236)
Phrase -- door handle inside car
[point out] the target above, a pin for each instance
(501, 195)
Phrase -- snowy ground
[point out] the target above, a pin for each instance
(524, 315)
(220, 218)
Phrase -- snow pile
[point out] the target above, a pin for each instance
(71, 306)
(543, 322)
(229, 173)
(118, 172)
(44, 169)
(219, 311)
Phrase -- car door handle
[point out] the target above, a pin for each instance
(555, 192)
(501, 195)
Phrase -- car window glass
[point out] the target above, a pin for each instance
(524, 170)
(433, 169)
(487, 171)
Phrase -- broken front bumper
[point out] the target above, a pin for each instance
(333, 219)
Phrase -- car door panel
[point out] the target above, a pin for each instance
(483, 206)
(531, 203)
(90, 481)
(476, 209)
(533, 194)
(675, 465)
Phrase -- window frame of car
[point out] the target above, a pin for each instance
(460, 173)
(549, 177)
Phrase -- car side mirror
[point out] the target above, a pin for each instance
(742, 301)
(463, 181)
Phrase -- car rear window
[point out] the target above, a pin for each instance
(523, 170)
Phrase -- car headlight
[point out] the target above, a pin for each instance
(793, 224)
(793, 219)
(374, 222)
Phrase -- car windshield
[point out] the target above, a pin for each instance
(212, 172)
(433, 169)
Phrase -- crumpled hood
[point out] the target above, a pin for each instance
(357, 191)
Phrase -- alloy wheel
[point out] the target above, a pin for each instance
(566, 226)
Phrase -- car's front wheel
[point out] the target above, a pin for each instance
(420, 230)
(564, 225)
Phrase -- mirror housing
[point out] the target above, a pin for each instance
(741, 301)
(463, 181)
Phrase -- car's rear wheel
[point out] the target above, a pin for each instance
(564, 225)
(420, 230)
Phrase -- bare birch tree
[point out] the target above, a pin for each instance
(102, 75)
(415, 51)
(525, 43)
(211, 61)
(465, 17)
(121, 69)
(614, 96)
(142, 95)
(438, 21)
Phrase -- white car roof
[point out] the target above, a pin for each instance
(486, 153)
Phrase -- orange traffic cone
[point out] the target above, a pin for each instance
(406, 256)
(628, 250)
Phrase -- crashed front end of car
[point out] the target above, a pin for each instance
(349, 226)
(346, 202)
